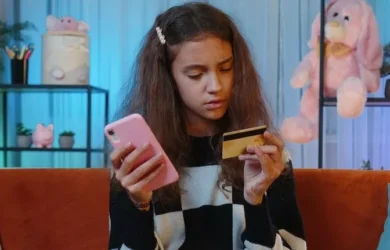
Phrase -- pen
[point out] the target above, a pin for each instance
(11, 54)
(28, 54)
(22, 53)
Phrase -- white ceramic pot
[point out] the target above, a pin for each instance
(66, 141)
(24, 141)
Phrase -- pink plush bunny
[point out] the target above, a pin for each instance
(353, 57)
(43, 136)
(66, 23)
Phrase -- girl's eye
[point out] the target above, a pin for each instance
(226, 70)
(346, 18)
(335, 14)
(195, 77)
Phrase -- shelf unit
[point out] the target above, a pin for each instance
(331, 102)
(371, 102)
(5, 89)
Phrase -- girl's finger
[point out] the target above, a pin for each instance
(274, 140)
(271, 150)
(128, 161)
(267, 149)
(247, 157)
(264, 159)
(140, 186)
(120, 153)
(143, 170)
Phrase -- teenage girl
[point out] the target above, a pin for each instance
(194, 80)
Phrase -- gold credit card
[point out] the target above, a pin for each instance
(235, 143)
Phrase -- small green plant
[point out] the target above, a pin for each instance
(367, 166)
(67, 133)
(21, 130)
(385, 69)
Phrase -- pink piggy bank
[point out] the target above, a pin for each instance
(43, 136)
(66, 23)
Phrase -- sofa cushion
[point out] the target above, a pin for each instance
(384, 243)
(57, 209)
(342, 209)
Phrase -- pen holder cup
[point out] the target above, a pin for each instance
(19, 71)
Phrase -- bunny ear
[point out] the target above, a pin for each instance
(316, 27)
(315, 32)
(369, 49)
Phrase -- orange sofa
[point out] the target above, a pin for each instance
(342, 209)
(67, 209)
(47, 209)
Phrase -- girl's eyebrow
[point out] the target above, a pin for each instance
(226, 60)
(200, 66)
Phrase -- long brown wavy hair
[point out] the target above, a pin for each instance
(152, 90)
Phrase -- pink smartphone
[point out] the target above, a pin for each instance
(134, 129)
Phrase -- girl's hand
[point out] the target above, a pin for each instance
(263, 165)
(134, 178)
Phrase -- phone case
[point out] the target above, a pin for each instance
(134, 129)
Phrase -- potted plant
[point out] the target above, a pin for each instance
(66, 139)
(12, 34)
(367, 166)
(24, 139)
(385, 69)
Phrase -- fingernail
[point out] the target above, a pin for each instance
(146, 145)
(159, 155)
(128, 144)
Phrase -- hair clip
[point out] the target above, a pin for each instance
(160, 35)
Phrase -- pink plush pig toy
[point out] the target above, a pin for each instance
(66, 23)
(43, 136)
(353, 57)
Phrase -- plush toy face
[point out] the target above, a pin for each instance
(66, 23)
(69, 23)
(352, 23)
(344, 20)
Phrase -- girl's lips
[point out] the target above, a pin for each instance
(215, 104)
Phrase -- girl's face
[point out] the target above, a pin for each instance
(203, 71)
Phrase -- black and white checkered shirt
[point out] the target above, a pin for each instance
(207, 217)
